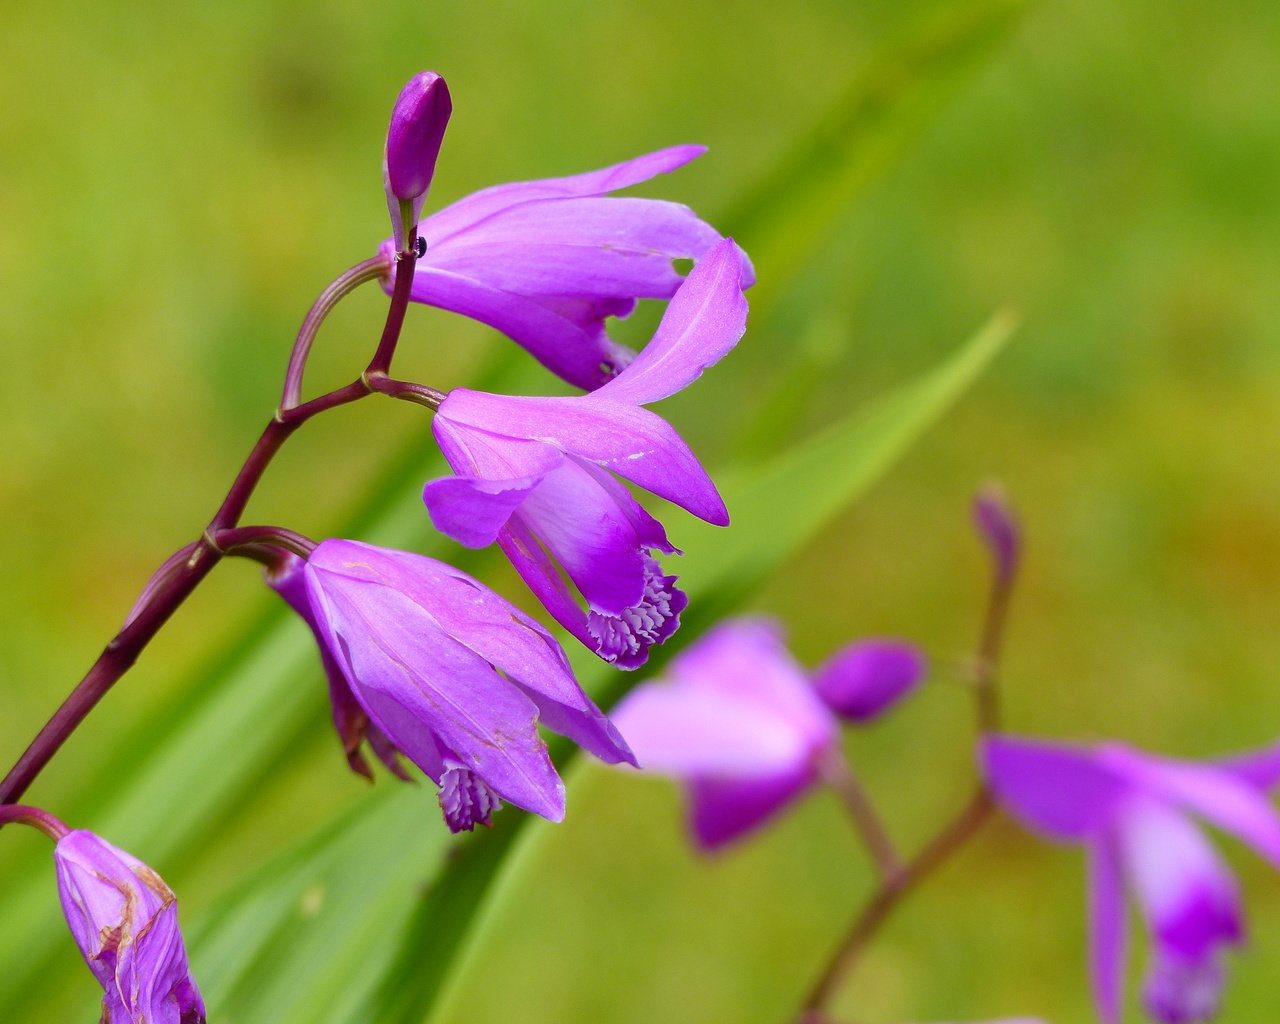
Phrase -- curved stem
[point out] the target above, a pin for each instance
(837, 774)
(405, 262)
(26, 815)
(882, 903)
(404, 390)
(342, 286)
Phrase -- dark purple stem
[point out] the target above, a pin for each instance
(182, 578)
(837, 774)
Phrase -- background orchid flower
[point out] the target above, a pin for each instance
(740, 723)
(546, 262)
(535, 474)
(125, 921)
(1132, 812)
(446, 672)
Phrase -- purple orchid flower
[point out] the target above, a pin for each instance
(1132, 812)
(423, 660)
(740, 723)
(125, 921)
(546, 262)
(535, 474)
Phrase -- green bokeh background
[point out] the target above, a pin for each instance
(178, 181)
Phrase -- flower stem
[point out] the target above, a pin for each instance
(886, 898)
(837, 774)
(177, 578)
(26, 815)
(342, 286)
(404, 264)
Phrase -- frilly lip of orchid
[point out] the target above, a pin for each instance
(1132, 811)
(547, 262)
(445, 672)
(738, 722)
(125, 921)
(536, 475)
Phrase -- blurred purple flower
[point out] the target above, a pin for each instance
(739, 722)
(546, 262)
(125, 921)
(999, 530)
(425, 661)
(866, 678)
(534, 474)
(418, 121)
(1131, 811)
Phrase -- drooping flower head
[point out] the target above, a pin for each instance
(125, 921)
(425, 661)
(537, 475)
(1132, 813)
(547, 262)
(418, 121)
(739, 722)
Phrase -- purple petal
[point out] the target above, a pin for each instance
(737, 705)
(472, 510)
(499, 634)
(632, 442)
(623, 639)
(1186, 893)
(466, 800)
(567, 339)
(721, 810)
(431, 695)
(1259, 768)
(599, 248)
(1060, 790)
(866, 678)
(704, 320)
(474, 208)
(1220, 795)
(1106, 928)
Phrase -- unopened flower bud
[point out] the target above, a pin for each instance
(867, 678)
(999, 529)
(417, 127)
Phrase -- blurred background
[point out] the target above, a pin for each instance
(177, 183)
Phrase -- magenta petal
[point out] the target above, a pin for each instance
(1060, 790)
(1182, 991)
(579, 352)
(471, 510)
(1221, 796)
(1259, 768)
(479, 205)
(703, 321)
(446, 699)
(721, 810)
(867, 678)
(632, 442)
(1187, 895)
(1106, 928)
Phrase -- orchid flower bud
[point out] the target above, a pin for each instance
(417, 127)
(998, 527)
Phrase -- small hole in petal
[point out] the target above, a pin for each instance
(682, 266)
